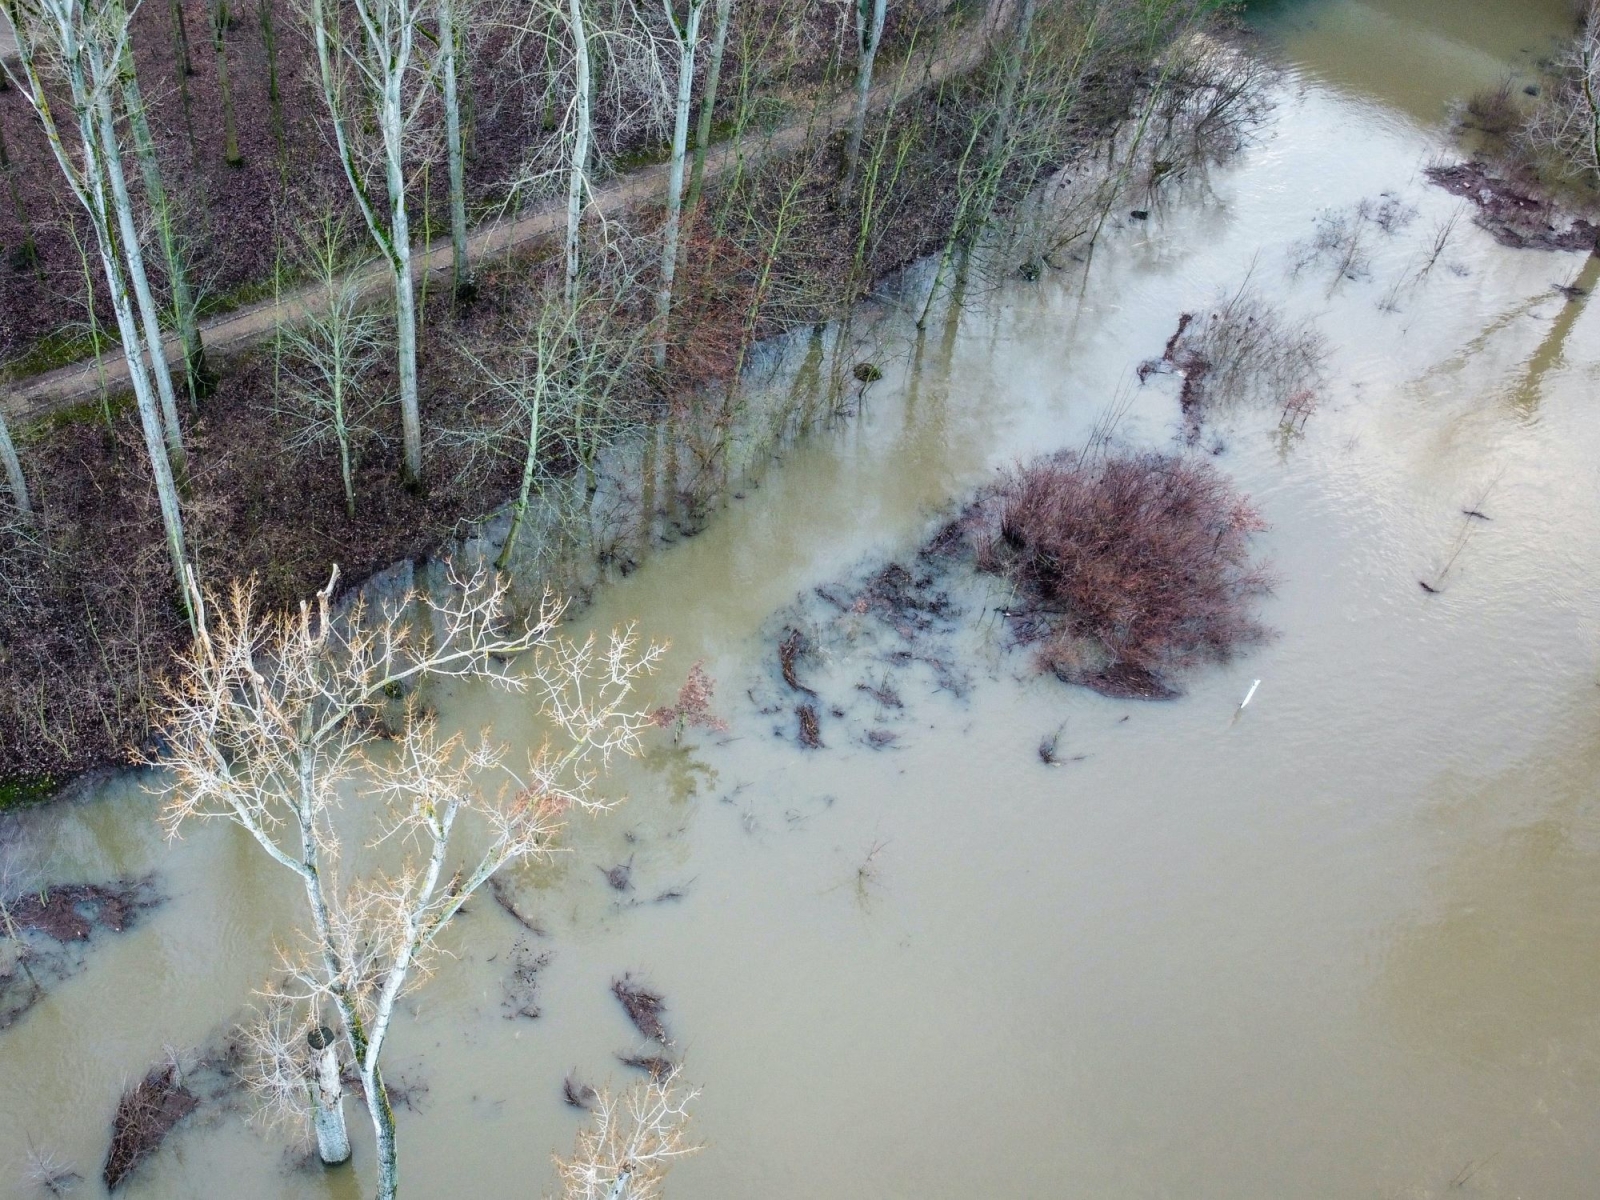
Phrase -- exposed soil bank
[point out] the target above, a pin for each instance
(1511, 212)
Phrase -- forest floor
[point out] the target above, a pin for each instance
(227, 335)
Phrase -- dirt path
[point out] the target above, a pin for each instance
(230, 334)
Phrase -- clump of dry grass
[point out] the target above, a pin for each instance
(644, 1007)
(1492, 110)
(1244, 351)
(1132, 567)
(145, 1115)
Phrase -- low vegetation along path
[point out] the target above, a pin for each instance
(229, 334)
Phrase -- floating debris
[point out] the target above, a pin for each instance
(577, 1093)
(145, 1115)
(620, 877)
(644, 1008)
(810, 728)
(653, 1064)
(522, 985)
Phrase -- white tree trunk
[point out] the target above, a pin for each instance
(183, 305)
(333, 1138)
(13, 468)
(155, 442)
(149, 314)
(870, 15)
(388, 36)
(62, 28)
(449, 38)
(583, 102)
(688, 38)
(708, 99)
(405, 293)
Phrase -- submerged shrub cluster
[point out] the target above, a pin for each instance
(1131, 567)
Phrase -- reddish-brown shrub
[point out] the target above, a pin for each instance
(1132, 567)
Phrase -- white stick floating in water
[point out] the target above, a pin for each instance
(1249, 694)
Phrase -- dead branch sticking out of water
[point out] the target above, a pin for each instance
(791, 649)
(49, 1171)
(145, 1115)
(1134, 566)
(810, 726)
(501, 891)
(577, 1093)
(619, 877)
(522, 984)
(644, 1008)
(651, 1064)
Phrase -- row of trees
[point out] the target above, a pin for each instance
(390, 76)
(521, 392)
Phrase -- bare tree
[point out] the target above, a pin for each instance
(870, 16)
(82, 44)
(331, 352)
(273, 723)
(450, 41)
(554, 390)
(687, 35)
(1566, 124)
(185, 311)
(630, 1143)
(378, 56)
(220, 19)
(708, 99)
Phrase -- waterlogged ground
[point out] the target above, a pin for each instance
(1342, 945)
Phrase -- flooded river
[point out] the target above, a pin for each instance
(1344, 945)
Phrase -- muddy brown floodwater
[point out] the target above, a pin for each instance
(1343, 945)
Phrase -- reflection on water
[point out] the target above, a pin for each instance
(1417, 56)
(1342, 946)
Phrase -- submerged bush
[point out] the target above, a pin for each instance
(1132, 567)
(1243, 351)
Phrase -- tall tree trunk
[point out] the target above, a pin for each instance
(185, 67)
(688, 37)
(405, 297)
(583, 101)
(15, 480)
(449, 39)
(393, 51)
(519, 511)
(870, 15)
(269, 39)
(327, 1095)
(382, 1114)
(219, 31)
(149, 314)
(1011, 77)
(708, 101)
(183, 304)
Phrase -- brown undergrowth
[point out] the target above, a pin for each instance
(147, 1112)
(90, 615)
(1131, 568)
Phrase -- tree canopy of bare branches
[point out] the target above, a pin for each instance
(277, 725)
